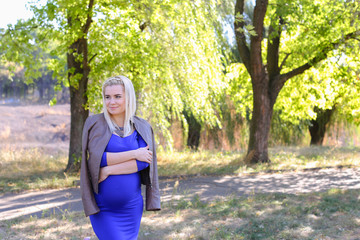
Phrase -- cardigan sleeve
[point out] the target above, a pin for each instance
(152, 191)
(87, 192)
(103, 160)
(141, 165)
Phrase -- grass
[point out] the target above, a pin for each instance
(334, 214)
(68, 225)
(282, 159)
(34, 169)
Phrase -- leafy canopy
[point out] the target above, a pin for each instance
(173, 51)
(308, 28)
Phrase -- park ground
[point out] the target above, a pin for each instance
(306, 193)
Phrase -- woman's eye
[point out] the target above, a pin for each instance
(118, 96)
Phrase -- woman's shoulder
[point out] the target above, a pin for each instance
(143, 127)
(145, 130)
(93, 119)
(138, 121)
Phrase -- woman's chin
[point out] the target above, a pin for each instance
(115, 113)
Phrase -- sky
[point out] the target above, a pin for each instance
(12, 10)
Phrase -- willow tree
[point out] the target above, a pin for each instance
(296, 36)
(170, 49)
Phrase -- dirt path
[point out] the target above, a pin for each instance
(207, 188)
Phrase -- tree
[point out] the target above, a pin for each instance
(194, 130)
(317, 127)
(328, 91)
(170, 50)
(296, 36)
(11, 85)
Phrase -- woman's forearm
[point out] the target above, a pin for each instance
(123, 168)
(118, 169)
(142, 154)
(114, 158)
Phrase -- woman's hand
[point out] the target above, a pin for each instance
(144, 154)
(104, 174)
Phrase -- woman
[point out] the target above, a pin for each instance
(118, 154)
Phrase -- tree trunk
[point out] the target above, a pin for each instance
(194, 131)
(78, 76)
(1, 89)
(78, 99)
(6, 91)
(260, 123)
(26, 90)
(40, 86)
(317, 127)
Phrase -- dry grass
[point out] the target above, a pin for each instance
(39, 168)
(282, 159)
(68, 225)
(202, 162)
(33, 168)
(334, 214)
(35, 126)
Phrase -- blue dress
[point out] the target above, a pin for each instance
(119, 198)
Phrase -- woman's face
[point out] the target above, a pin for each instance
(115, 100)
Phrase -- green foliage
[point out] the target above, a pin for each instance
(332, 84)
(311, 26)
(308, 30)
(240, 89)
(173, 51)
(286, 133)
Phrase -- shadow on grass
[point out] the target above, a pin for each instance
(40, 204)
(333, 214)
(329, 215)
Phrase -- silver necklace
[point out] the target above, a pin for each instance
(119, 131)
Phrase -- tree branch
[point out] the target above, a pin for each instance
(92, 57)
(240, 35)
(279, 80)
(273, 47)
(257, 67)
(283, 61)
(15, 28)
(143, 26)
(89, 17)
(319, 57)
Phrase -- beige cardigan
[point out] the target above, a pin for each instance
(96, 135)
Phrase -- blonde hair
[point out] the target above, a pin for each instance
(130, 102)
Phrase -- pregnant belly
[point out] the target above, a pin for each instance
(118, 191)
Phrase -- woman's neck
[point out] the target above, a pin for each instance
(118, 121)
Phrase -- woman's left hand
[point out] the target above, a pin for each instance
(143, 154)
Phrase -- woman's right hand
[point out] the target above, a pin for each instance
(104, 174)
(144, 154)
